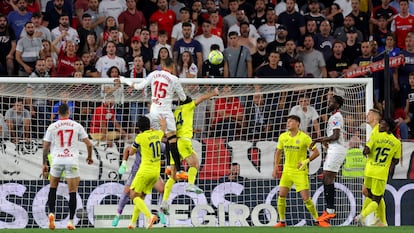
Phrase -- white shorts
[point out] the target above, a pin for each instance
(334, 159)
(169, 118)
(71, 170)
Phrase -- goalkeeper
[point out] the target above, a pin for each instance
(159, 186)
(294, 144)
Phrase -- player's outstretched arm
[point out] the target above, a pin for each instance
(138, 86)
(207, 96)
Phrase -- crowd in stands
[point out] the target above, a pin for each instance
(258, 38)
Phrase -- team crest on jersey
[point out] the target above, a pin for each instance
(335, 123)
(298, 142)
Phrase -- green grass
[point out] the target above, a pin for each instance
(228, 230)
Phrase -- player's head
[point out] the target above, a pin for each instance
(167, 64)
(387, 125)
(63, 110)
(144, 123)
(186, 101)
(373, 116)
(293, 122)
(335, 103)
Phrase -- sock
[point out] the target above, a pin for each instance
(312, 209)
(192, 174)
(281, 208)
(175, 155)
(381, 211)
(52, 200)
(167, 152)
(135, 214)
(168, 188)
(329, 193)
(122, 202)
(72, 205)
(369, 209)
(140, 204)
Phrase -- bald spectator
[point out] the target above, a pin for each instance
(313, 59)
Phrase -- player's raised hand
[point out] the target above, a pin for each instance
(216, 90)
(126, 81)
(89, 160)
(123, 168)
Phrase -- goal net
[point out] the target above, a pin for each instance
(235, 137)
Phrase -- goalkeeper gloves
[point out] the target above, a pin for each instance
(126, 81)
(304, 164)
(123, 168)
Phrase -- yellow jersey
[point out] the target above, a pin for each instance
(295, 149)
(149, 143)
(184, 117)
(383, 148)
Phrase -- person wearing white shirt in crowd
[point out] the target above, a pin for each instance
(269, 29)
(241, 17)
(307, 114)
(71, 35)
(207, 39)
(41, 31)
(177, 31)
(105, 62)
(112, 8)
(281, 7)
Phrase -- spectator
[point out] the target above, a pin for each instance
(146, 48)
(28, 50)
(5, 7)
(17, 18)
(214, 19)
(279, 44)
(53, 11)
(313, 59)
(269, 29)
(97, 19)
(40, 31)
(349, 26)
(228, 115)
(84, 31)
(259, 118)
(188, 44)
(246, 39)
(293, 21)
(207, 39)
(233, 175)
(112, 8)
(402, 24)
(177, 30)
(131, 19)
(259, 58)
(400, 117)
(104, 63)
(272, 69)
(163, 56)
(37, 101)
(105, 36)
(211, 70)
(237, 59)
(314, 13)
(241, 17)
(353, 48)
(18, 121)
(381, 31)
(64, 28)
(354, 160)
(299, 70)
(260, 17)
(361, 19)
(50, 66)
(66, 57)
(409, 103)
(89, 68)
(365, 57)
(104, 126)
(137, 109)
(80, 7)
(176, 6)
(324, 40)
(335, 16)
(384, 10)
(121, 49)
(289, 57)
(196, 15)
(7, 48)
(134, 50)
(165, 17)
(230, 19)
(64, 99)
(401, 84)
(153, 34)
(308, 116)
(162, 43)
(4, 131)
(338, 62)
(186, 67)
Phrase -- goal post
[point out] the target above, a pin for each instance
(242, 141)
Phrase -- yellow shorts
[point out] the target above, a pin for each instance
(376, 186)
(300, 180)
(144, 182)
(185, 147)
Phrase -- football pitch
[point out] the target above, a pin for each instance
(309, 229)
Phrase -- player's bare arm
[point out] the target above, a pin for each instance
(314, 155)
(278, 155)
(89, 146)
(46, 149)
(207, 96)
(335, 136)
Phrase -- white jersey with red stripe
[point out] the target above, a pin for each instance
(163, 87)
(64, 135)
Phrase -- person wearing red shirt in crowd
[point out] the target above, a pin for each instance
(104, 126)
(166, 18)
(131, 19)
(228, 115)
(402, 24)
(5, 7)
(66, 56)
